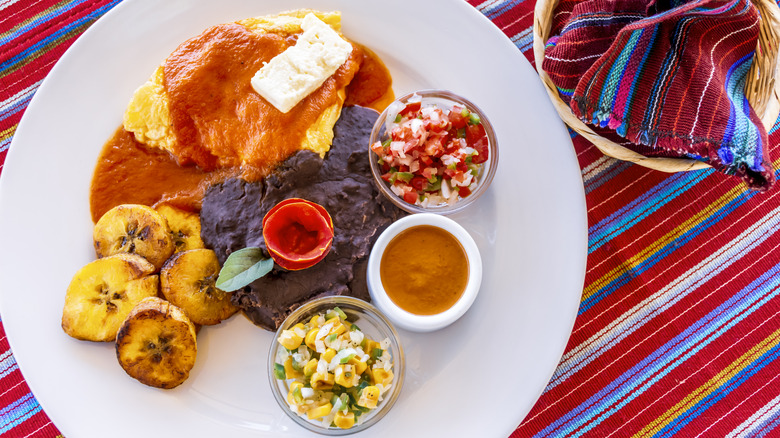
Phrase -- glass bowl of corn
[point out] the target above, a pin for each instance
(336, 366)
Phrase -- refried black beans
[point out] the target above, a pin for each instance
(232, 215)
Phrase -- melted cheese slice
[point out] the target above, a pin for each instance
(303, 67)
(147, 115)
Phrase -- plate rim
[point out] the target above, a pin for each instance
(117, 10)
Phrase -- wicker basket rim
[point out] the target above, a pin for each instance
(762, 90)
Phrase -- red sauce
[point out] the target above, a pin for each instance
(372, 86)
(218, 119)
(208, 84)
(128, 172)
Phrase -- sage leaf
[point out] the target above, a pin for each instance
(243, 267)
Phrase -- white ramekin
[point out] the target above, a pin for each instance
(424, 323)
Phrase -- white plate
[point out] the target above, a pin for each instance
(478, 377)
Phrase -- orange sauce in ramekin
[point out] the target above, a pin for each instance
(424, 270)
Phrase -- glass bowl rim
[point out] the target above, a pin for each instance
(363, 307)
(490, 166)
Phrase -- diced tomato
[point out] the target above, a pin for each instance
(457, 118)
(418, 183)
(411, 108)
(404, 134)
(378, 148)
(410, 197)
(428, 173)
(421, 140)
(477, 138)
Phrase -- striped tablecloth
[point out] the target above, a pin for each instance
(679, 327)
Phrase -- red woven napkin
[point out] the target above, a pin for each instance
(669, 78)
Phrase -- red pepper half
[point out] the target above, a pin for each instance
(298, 233)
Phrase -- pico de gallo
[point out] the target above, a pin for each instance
(432, 155)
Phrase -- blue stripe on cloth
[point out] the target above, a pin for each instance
(622, 129)
(734, 75)
(44, 19)
(523, 40)
(4, 144)
(7, 363)
(662, 361)
(742, 143)
(766, 427)
(18, 412)
(635, 271)
(19, 105)
(40, 45)
(614, 168)
(601, 19)
(494, 11)
(609, 94)
(721, 392)
(642, 206)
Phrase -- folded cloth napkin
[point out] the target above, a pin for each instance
(669, 77)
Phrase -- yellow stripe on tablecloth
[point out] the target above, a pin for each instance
(35, 18)
(649, 251)
(5, 135)
(711, 385)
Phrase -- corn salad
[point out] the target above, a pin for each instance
(336, 373)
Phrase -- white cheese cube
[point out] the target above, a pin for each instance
(295, 73)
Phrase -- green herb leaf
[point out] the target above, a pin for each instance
(243, 267)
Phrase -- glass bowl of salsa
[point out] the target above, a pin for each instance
(433, 151)
(336, 366)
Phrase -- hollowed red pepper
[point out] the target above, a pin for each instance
(298, 233)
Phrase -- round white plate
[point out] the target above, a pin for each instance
(478, 377)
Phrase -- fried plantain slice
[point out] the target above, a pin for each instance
(184, 225)
(134, 229)
(188, 280)
(156, 344)
(102, 294)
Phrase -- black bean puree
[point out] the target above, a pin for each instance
(232, 215)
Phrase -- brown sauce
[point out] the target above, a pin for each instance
(247, 133)
(424, 270)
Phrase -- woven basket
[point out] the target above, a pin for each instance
(761, 89)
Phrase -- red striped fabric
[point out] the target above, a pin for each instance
(668, 78)
(678, 326)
